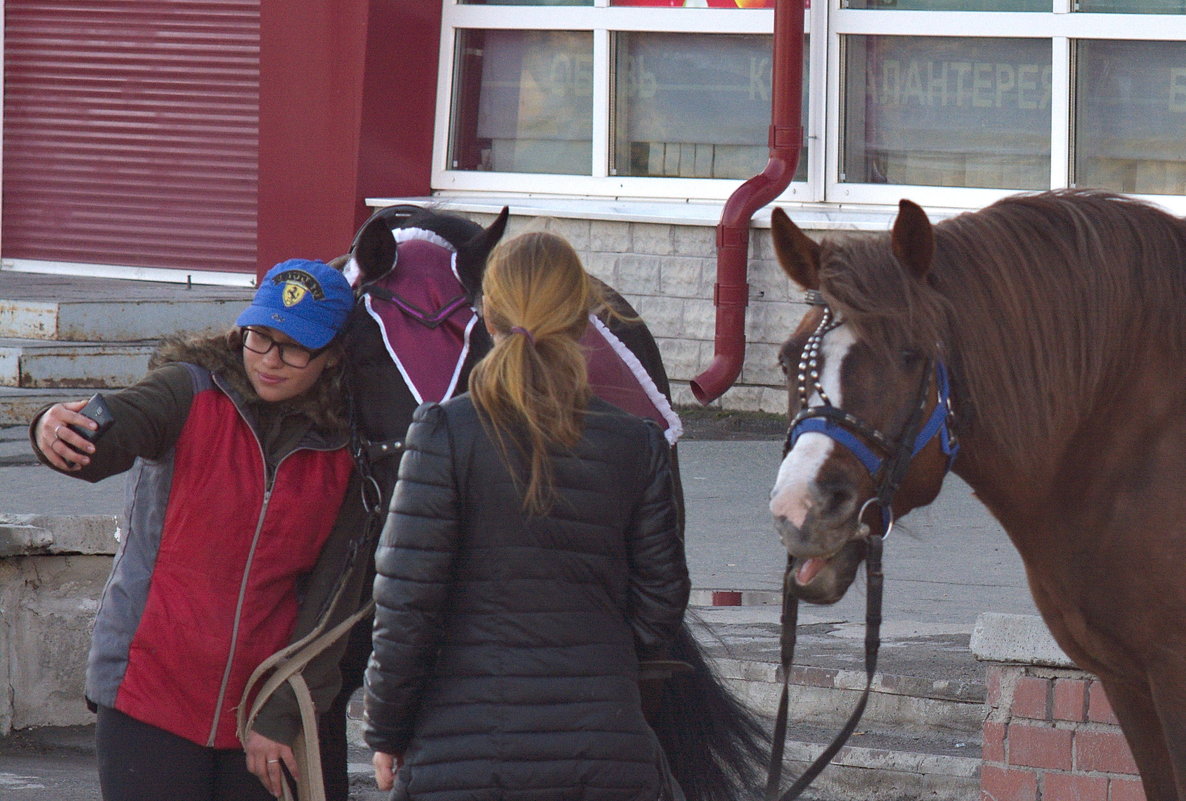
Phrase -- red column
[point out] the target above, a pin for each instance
(347, 97)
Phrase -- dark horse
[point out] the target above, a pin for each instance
(1061, 318)
(414, 337)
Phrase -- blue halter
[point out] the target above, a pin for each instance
(853, 433)
(843, 428)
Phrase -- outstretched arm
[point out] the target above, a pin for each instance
(148, 417)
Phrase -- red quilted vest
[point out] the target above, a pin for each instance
(224, 588)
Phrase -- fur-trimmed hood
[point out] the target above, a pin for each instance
(324, 404)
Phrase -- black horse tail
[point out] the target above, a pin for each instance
(716, 745)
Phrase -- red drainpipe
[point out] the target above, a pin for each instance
(731, 293)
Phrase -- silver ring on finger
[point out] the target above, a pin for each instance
(57, 432)
(273, 761)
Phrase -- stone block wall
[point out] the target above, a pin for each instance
(52, 572)
(667, 272)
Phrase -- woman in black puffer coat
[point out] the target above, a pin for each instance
(531, 559)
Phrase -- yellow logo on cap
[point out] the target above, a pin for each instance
(297, 284)
(293, 293)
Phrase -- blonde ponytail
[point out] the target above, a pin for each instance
(532, 388)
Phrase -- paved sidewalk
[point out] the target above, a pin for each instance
(944, 566)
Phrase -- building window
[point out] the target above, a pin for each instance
(949, 102)
(945, 111)
(1130, 116)
(681, 115)
(951, 5)
(610, 98)
(523, 101)
(1133, 6)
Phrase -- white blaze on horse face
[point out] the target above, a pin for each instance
(791, 498)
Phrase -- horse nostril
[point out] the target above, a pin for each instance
(834, 500)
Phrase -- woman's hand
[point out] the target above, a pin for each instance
(63, 448)
(264, 758)
(386, 766)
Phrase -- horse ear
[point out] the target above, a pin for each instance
(797, 253)
(471, 256)
(374, 250)
(913, 239)
(484, 242)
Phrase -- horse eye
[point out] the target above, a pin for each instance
(910, 357)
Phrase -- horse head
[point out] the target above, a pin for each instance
(374, 253)
(868, 401)
(414, 334)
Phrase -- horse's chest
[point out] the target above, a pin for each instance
(1089, 630)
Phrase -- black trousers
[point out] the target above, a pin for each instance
(139, 762)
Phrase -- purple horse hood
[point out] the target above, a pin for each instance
(424, 317)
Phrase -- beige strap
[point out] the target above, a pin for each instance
(285, 666)
(307, 752)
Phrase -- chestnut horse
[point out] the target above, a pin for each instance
(1060, 319)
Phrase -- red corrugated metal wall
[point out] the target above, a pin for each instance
(131, 132)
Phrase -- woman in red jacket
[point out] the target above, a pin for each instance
(243, 503)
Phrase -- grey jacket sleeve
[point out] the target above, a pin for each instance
(415, 565)
(659, 583)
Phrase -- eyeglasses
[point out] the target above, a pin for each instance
(292, 354)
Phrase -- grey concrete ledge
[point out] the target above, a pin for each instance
(1016, 639)
(811, 216)
(42, 535)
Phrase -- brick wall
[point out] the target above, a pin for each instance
(1050, 735)
(667, 273)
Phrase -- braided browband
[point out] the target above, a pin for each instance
(809, 359)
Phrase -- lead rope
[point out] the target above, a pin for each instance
(790, 617)
(891, 477)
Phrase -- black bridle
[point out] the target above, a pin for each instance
(887, 461)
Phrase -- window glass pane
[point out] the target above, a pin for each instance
(525, 2)
(1130, 117)
(947, 112)
(1132, 6)
(696, 3)
(695, 105)
(951, 5)
(523, 102)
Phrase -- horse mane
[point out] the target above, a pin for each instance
(453, 228)
(1040, 303)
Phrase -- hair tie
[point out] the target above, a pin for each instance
(518, 329)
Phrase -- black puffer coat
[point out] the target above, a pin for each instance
(506, 646)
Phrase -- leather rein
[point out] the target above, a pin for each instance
(887, 462)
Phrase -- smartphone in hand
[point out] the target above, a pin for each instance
(96, 409)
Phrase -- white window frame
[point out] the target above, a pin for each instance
(827, 23)
(601, 20)
(1061, 27)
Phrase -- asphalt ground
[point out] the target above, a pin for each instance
(944, 565)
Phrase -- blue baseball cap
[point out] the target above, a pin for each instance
(308, 300)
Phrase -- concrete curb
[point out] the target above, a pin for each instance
(1019, 639)
(28, 535)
